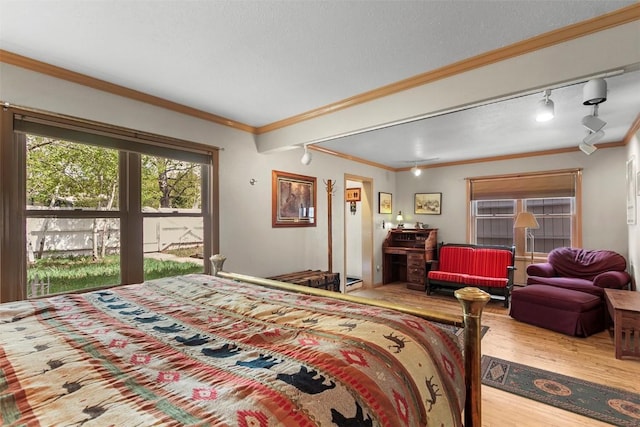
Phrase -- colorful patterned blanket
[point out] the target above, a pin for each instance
(201, 350)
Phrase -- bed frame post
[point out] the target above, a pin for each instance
(473, 301)
(217, 261)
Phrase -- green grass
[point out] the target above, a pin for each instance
(76, 273)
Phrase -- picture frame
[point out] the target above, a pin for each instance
(293, 200)
(631, 191)
(428, 203)
(385, 205)
(353, 194)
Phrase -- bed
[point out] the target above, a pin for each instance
(234, 350)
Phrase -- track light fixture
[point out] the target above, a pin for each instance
(586, 148)
(594, 92)
(593, 137)
(306, 157)
(593, 123)
(545, 110)
(416, 171)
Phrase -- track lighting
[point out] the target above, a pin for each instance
(593, 137)
(306, 157)
(592, 122)
(594, 92)
(416, 171)
(545, 110)
(586, 148)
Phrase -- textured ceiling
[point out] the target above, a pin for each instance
(258, 62)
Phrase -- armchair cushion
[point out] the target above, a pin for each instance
(543, 269)
(583, 263)
(581, 270)
(612, 279)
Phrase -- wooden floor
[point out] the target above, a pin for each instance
(591, 359)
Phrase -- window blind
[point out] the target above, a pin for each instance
(119, 139)
(525, 186)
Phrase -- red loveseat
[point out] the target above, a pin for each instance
(581, 270)
(489, 268)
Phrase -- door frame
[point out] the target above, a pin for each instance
(366, 208)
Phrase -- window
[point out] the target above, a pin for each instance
(551, 196)
(111, 204)
(555, 217)
(173, 227)
(494, 221)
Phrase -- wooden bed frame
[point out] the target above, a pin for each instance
(472, 300)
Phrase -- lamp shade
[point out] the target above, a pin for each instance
(399, 217)
(526, 220)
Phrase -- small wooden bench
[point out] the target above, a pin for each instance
(312, 278)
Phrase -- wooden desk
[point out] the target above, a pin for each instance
(624, 309)
(406, 255)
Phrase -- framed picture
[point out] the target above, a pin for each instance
(293, 200)
(384, 203)
(428, 203)
(631, 191)
(353, 194)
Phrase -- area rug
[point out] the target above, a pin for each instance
(611, 405)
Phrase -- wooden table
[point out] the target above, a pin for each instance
(624, 309)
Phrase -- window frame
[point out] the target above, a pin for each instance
(13, 211)
(537, 177)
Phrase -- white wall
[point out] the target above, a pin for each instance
(604, 197)
(247, 238)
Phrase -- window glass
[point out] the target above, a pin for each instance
(169, 184)
(63, 175)
(70, 254)
(494, 222)
(173, 225)
(554, 216)
(172, 246)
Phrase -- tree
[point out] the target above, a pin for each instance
(67, 174)
(169, 183)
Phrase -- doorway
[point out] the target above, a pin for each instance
(358, 234)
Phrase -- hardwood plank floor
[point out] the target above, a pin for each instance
(591, 358)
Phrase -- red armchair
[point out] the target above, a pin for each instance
(581, 270)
